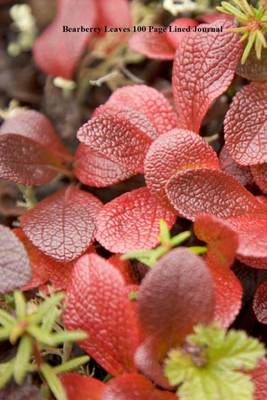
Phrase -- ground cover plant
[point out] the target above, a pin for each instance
(133, 209)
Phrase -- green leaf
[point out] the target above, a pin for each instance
(212, 363)
(217, 385)
(4, 333)
(164, 235)
(50, 319)
(22, 359)
(232, 349)
(74, 336)
(6, 319)
(46, 306)
(6, 371)
(72, 364)
(53, 382)
(20, 305)
(180, 238)
(40, 335)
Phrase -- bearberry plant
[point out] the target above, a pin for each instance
(136, 251)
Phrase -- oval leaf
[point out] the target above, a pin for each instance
(131, 222)
(209, 191)
(245, 125)
(95, 169)
(98, 303)
(62, 225)
(45, 269)
(214, 56)
(24, 161)
(177, 150)
(148, 101)
(174, 296)
(57, 52)
(37, 127)
(122, 136)
(14, 265)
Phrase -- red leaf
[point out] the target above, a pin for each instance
(120, 135)
(62, 225)
(95, 169)
(131, 222)
(214, 16)
(259, 173)
(260, 303)
(37, 127)
(259, 377)
(251, 230)
(228, 295)
(152, 45)
(148, 101)
(209, 191)
(222, 241)
(24, 161)
(108, 14)
(174, 296)
(214, 57)
(98, 303)
(176, 38)
(46, 269)
(239, 172)
(79, 387)
(56, 52)
(134, 387)
(161, 46)
(14, 265)
(124, 267)
(222, 244)
(246, 124)
(175, 151)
